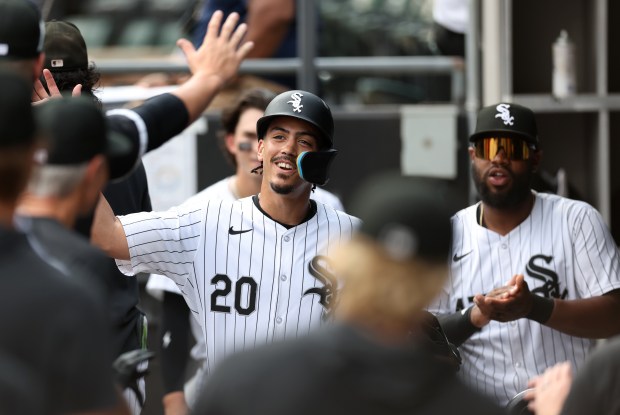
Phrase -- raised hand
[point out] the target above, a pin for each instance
(221, 52)
(213, 64)
(40, 95)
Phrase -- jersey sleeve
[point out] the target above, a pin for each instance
(597, 258)
(148, 126)
(158, 284)
(162, 242)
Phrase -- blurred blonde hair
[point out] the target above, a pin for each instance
(379, 289)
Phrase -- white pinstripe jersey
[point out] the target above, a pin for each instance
(248, 279)
(564, 250)
(219, 190)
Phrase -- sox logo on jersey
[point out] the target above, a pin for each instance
(550, 287)
(318, 268)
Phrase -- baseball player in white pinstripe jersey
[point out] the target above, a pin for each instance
(252, 270)
(239, 143)
(553, 259)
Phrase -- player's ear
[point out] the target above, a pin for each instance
(229, 141)
(472, 153)
(261, 146)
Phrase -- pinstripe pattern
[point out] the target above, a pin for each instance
(564, 249)
(191, 244)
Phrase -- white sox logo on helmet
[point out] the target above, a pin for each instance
(296, 102)
(504, 114)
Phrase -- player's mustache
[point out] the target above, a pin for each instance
(289, 159)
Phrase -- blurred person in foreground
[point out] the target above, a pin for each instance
(375, 358)
(69, 174)
(595, 388)
(21, 38)
(68, 70)
(50, 324)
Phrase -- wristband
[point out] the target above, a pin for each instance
(542, 308)
(458, 326)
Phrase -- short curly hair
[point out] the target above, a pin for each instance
(257, 98)
(89, 78)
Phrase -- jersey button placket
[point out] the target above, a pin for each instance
(283, 289)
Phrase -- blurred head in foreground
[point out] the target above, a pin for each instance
(397, 263)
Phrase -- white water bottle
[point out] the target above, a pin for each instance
(564, 76)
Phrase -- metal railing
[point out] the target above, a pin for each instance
(308, 65)
(390, 65)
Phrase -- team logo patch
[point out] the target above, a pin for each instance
(296, 101)
(318, 268)
(550, 287)
(57, 63)
(504, 113)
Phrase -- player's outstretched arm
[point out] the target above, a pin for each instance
(107, 231)
(214, 63)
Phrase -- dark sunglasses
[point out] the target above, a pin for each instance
(514, 148)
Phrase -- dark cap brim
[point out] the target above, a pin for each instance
(504, 133)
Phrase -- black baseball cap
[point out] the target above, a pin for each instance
(508, 119)
(21, 30)
(408, 216)
(64, 47)
(17, 124)
(77, 131)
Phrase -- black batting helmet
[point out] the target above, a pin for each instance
(304, 106)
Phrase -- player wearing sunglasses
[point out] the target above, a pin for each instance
(553, 259)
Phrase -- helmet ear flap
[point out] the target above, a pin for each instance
(313, 166)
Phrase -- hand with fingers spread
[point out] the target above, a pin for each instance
(214, 63)
(40, 94)
(549, 390)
